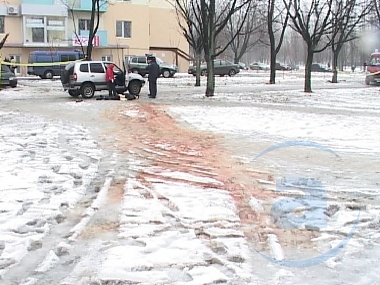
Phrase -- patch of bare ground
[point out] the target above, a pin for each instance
(150, 133)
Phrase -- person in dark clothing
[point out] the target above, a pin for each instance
(13, 66)
(110, 78)
(154, 73)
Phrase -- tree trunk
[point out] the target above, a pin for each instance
(309, 62)
(272, 78)
(210, 53)
(272, 41)
(210, 87)
(198, 58)
(93, 27)
(335, 67)
(2, 42)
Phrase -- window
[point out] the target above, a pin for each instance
(123, 29)
(38, 35)
(83, 25)
(68, 57)
(45, 29)
(83, 67)
(2, 28)
(96, 68)
(141, 59)
(106, 58)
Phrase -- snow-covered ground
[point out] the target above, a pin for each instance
(325, 158)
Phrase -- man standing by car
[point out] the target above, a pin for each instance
(13, 66)
(110, 78)
(154, 73)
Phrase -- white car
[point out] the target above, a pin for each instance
(86, 77)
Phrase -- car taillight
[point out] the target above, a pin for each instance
(75, 77)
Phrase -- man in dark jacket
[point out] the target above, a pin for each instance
(154, 73)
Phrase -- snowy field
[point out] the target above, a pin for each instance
(321, 148)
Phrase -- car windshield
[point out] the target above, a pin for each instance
(375, 61)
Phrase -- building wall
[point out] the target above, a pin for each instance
(138, 44)
(154, 30)
(167, 35)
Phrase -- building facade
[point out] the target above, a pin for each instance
(126, 27)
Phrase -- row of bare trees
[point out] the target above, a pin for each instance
(203, 22)
(213, 26)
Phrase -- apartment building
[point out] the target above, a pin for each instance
(126, 27)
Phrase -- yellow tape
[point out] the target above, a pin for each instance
(38, 63)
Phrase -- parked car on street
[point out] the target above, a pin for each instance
(86, 77)
(221, 67)
(317, 67)
(7, 77)
(54, 60)
(259, 66)
(242, 66)
(281, 66)
(294, 67)
(139, 64)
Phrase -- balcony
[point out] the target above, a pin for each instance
(39, 2)
(86, 5)
(76, 5)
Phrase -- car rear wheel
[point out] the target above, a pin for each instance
(203, 72)
(134, 87)
(166, 73)
(74, 93)
(87, 90)
(232, 72)
(48, 74)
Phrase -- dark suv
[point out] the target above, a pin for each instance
(317, 67)
(139, 64)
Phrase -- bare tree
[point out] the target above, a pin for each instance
(243, 41)
(71, 11)
(4, 39)
(94, 23)
(277, 21)
(376, 10)
(293, 47)
(213, 22)
(207, 19)
(346, 16)
(190, 23)
(313, 21)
